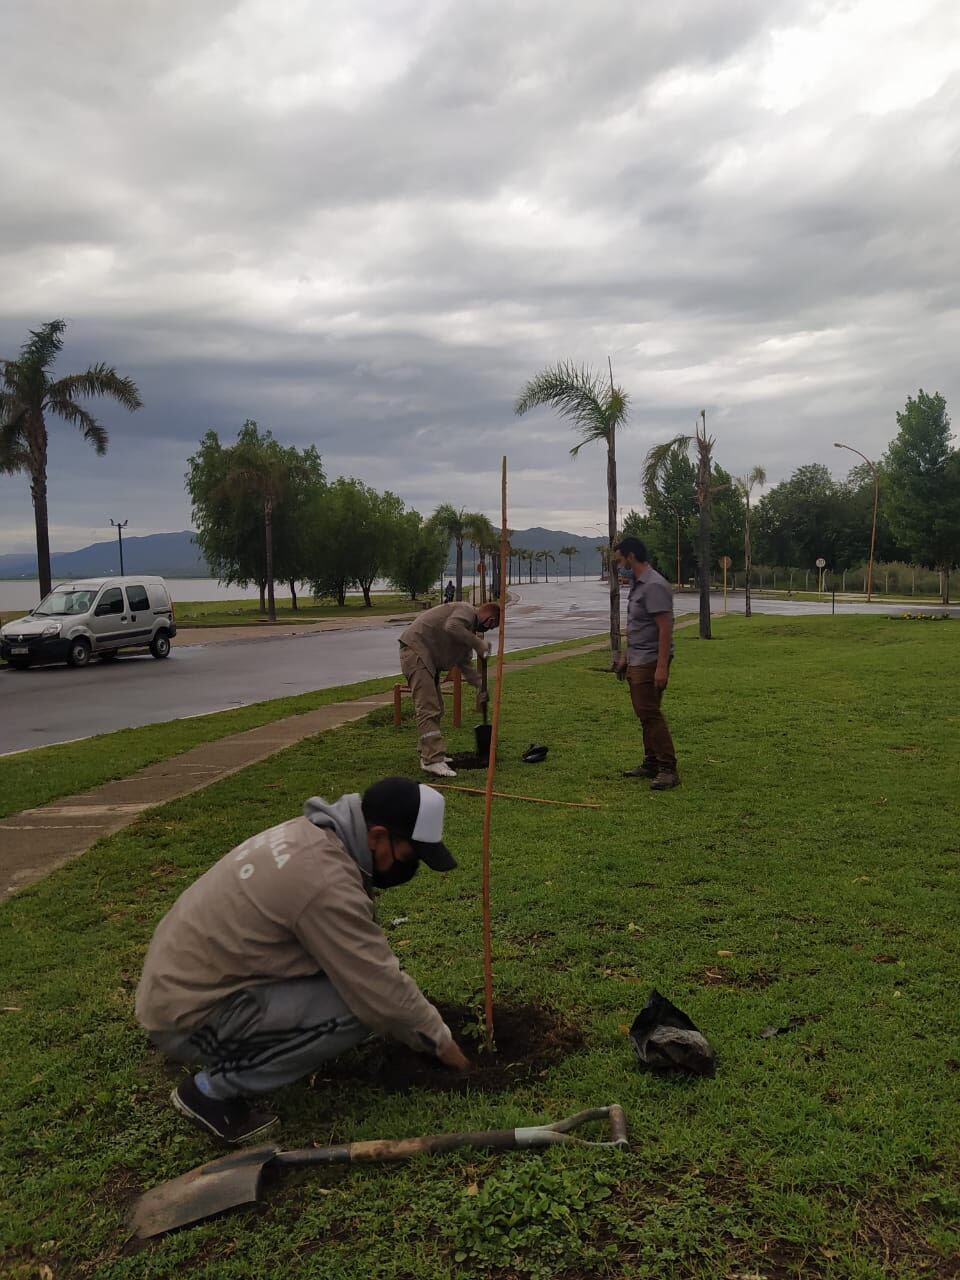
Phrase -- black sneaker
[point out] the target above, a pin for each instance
(644, 770)
(231, 1120)
(665, 779)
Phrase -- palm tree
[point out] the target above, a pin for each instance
(479, 532)
(745, 485)
(657, 460)
(27, 394)
(596, 411)
(569, 552)
(457, 525)
(546, 557)
(259, 468)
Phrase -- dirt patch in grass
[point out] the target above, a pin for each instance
(529, 1040)
(467, 760)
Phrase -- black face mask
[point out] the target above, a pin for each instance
(399, 873)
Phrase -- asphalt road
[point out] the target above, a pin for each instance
(45, 705)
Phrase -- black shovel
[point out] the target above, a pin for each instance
(482, 732)
(234, 1180)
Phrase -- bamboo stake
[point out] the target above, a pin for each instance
(511, 795)
(491, 765)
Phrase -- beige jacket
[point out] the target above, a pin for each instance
(288, 903)
(445, 637)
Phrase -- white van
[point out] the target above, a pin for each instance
(92, 616)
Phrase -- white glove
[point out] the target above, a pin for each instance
(483, 647)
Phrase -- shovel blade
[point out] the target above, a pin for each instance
(211, 1189)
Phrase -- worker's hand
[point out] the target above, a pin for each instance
(483, 646)
(620, 665)
(660, 676)
(483, 697)
(453, 1057)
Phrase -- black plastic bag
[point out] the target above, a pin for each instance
(664, 1039)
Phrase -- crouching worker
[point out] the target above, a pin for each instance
(273, 962)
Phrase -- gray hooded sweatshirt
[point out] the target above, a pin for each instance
(291, 902)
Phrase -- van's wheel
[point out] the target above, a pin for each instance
(78, 655)
(160, 644)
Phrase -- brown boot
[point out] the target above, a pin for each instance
(665, 780)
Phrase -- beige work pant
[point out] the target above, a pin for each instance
(427, 705)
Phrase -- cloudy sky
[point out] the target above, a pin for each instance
(366, 223)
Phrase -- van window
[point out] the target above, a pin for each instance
(139, 601)
(110, 602)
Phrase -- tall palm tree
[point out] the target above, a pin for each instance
(260, 469)
(546, 557)
(657, 460)
(745, 485)
(457, 524)
(27, 395)
(569, 552)
(480, 533)
(596, 410)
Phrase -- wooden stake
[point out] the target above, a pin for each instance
(491, 766)
(510, 795)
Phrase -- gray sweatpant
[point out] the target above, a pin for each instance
(266, 1036)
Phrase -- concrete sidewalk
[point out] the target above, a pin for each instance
(38, 841)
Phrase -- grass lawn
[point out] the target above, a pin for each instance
(239, 613)
(36, 777)
(805, 874)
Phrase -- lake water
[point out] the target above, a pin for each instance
(22, 594)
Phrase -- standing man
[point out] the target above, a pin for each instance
(273, 962)
(443, 637)
(647, 662)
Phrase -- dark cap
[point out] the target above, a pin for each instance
(413, 812)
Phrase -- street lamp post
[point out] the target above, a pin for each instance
(120, 525)
(876, 497)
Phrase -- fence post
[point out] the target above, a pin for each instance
(457, 693)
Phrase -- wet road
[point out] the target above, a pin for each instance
(52, 704)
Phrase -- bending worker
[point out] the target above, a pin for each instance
(273, 962)
(443, 637)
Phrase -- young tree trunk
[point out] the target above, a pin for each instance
(293, 596)
(268, 534)
(341, 594)
(612, 576)
(703, 555)
(459, 595)
(365, 588)
(262, 584)
(746, 563)
(945, 584)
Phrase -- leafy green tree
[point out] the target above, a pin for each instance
(569, 551)
(923, 486)
(746, 485)
(596, 410)
(249, 508)
(28, 394)
(706, 486)
(669, 493)
(418, 554)
(350, 528)
(809, 516)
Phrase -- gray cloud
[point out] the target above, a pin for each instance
(366, 224)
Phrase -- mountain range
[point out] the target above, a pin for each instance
(176, 555)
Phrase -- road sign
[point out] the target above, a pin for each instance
(725, 562)
(821, 563)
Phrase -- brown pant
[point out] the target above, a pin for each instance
(427, 705)
(657, 744)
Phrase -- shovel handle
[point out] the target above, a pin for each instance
(390, 1149)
